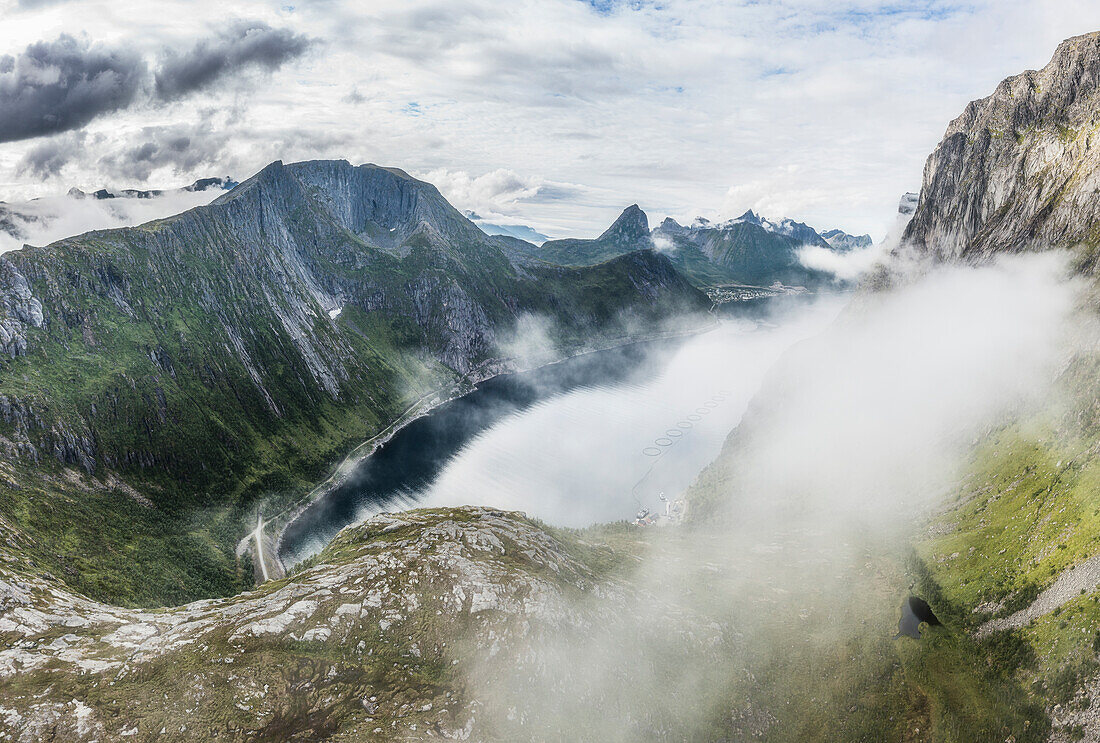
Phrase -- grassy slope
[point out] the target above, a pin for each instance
(194, 434)
(687, 258)
(1029, 510)
(1026, 509)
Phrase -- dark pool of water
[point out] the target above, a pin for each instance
(408, 463)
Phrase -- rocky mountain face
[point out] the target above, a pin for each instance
(747, 250)
(840, 240)
(800, 231)
(239, 347)
(627, 233)
(1018, 170)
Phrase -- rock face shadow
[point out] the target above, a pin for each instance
(914, 611)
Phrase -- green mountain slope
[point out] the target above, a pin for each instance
(236, 349)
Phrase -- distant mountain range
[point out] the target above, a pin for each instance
(748, 250)
(841, 240)
(203, 184)
(43, 220)
(518, 231)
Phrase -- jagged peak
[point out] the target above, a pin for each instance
(632, 224)
(384, 205)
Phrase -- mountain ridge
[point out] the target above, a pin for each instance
(232, 351)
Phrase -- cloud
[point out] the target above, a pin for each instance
(47, 158)
(57, 86)
(497, 192)
(44, 220)
(247, 45)
(846, 266)
(35, 4)
(180, 148)
(820, 111)
(855, 437)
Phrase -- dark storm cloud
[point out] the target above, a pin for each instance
(182, 148)
(57, 86)
(48, 158)
(247, 45)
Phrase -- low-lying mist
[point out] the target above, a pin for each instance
(774, 607)
(601, 452)
(873, 416)
(50, 218)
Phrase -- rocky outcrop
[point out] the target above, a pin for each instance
(631, 227)
(19, 309)
(410, 625)
(1019, 170)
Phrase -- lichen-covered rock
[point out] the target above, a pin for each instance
(398, 631)
(18, 309)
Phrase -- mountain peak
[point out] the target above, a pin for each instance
(383, 206)
(842, 241)
(632, 224)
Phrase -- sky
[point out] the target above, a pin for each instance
(551, 113)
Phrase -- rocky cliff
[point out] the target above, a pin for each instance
(1018, 170)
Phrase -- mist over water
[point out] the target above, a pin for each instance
(592, 439)
(798, 550)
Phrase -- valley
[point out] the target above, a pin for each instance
(323, 460)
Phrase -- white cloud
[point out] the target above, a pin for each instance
(495, 192)
(846, 266)
(821, 111)
(45, 220)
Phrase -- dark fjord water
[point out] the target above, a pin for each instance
(590, 439)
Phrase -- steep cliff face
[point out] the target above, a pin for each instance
(1020, 169)
(19, 308)
(236, 348)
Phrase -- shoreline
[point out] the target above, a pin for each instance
(490, 369)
